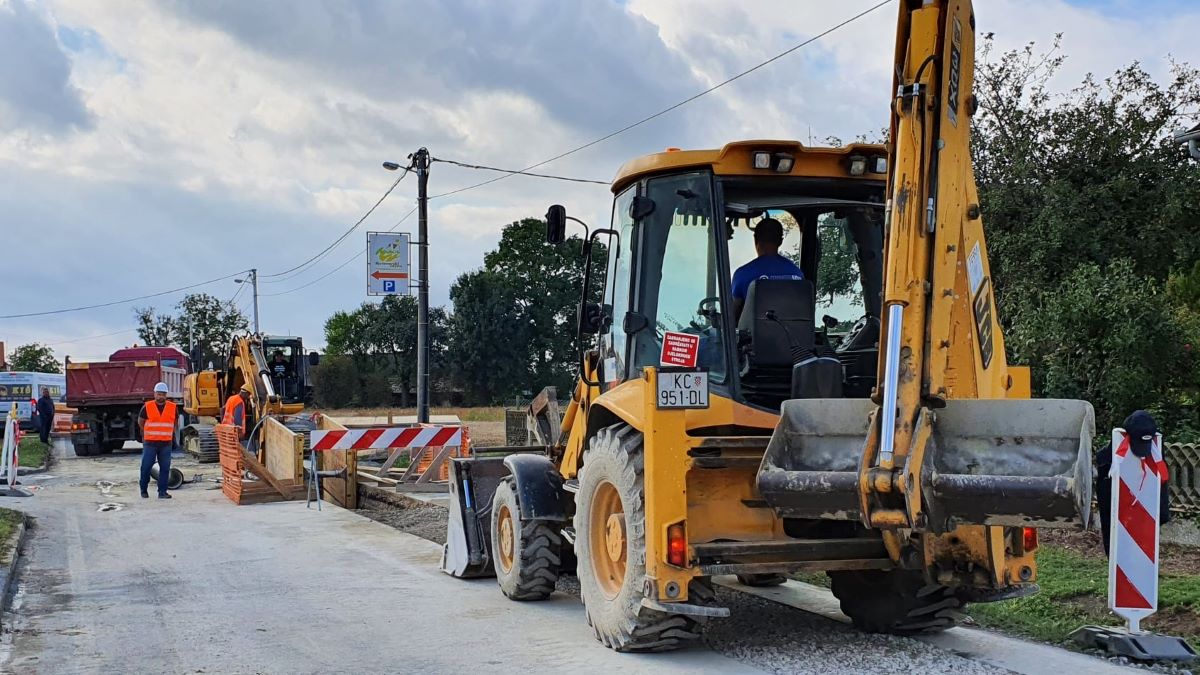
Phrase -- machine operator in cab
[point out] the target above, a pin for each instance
(769, 264)
(158, 420)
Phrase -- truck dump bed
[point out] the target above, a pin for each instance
(119, 382)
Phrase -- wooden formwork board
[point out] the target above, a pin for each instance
(283, 450)
(340, 491)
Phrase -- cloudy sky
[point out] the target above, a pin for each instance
(146, 146)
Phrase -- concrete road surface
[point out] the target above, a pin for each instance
(197, 585)
(112, 583)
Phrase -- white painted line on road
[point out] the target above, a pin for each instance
(1015, 654)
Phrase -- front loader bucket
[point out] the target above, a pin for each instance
(468, 549)
(1011, 462)
(989, 462)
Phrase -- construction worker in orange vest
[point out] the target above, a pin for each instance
(158, 420)
(235, 410)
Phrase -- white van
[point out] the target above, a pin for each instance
(23, 388)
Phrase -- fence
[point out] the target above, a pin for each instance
(1184, 462)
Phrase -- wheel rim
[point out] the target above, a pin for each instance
(507, 537)
(609, 544)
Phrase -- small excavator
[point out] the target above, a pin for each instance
(709, 435)
(250, 362)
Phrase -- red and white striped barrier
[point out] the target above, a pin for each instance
(1133, 544)
(387, 438)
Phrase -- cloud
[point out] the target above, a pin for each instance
(36, 93)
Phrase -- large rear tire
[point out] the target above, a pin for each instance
(898, 602)
(527, 555)
(610, 544)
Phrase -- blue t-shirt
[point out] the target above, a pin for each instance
(763, 267)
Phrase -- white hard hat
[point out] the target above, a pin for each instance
(161, 386)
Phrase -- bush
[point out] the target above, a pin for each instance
(1111, 337)
(376, 390)
(335, 382)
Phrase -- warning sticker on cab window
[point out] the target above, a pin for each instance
(680, 349)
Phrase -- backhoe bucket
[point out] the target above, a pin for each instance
(468, 549)
(1016, 462)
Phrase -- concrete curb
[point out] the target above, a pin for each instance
(8, 571)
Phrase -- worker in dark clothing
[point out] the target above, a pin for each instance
(45, 413)
(1141, 428)
(281, 374)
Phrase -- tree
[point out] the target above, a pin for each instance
(381, 338)
(1090, 208)
(514, 323)
(489, 346)
(34, 357)
(837, 272)
(210, 322)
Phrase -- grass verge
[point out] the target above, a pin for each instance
(33, 451)
(9, 520)
(1075, 592)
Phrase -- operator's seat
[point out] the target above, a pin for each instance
(777, 338)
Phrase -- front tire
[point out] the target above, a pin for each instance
(898, 602)
(527, 555)
(610, 545)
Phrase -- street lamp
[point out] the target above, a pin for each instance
(420, 162)
(252, 278)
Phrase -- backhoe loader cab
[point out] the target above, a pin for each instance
(718, 435)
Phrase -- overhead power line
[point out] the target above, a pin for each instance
(120, 302)
(330, 272)
(668, 109)
(337, 241)
(90, 337)
(513, 171)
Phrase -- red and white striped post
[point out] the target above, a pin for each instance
(1133, 536)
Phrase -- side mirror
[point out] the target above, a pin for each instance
(314, 359)
(556, 224)
(594, 318)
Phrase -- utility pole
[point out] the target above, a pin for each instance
(254, 287)
(420, 160)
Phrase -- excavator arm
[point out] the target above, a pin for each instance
(953, 457)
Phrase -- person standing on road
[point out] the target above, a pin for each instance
(158, 420)
(45, 415)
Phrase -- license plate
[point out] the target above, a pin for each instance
(682, 389)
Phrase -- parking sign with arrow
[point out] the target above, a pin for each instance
(387, 263)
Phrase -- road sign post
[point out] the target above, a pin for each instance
(387, 263)
(1133, 556)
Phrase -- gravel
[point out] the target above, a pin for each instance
(760, 633)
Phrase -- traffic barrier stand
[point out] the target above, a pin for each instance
(428, 448)
(1133, 557)
(9, 457)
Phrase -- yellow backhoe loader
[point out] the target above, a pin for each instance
(713, 436)
(277, 372)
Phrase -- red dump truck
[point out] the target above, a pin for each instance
(108, 395)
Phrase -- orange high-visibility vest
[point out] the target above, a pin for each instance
(231, 406)
(159, 426)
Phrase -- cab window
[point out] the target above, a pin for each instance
(681, 287)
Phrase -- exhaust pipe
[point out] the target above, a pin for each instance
(174, 478)
(1016, 462)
